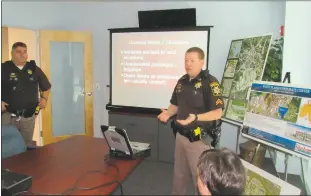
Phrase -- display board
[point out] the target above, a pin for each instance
(280, 114)
(146, 64)
(260, 182)
(245, 64)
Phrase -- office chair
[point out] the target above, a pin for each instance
(12, 142)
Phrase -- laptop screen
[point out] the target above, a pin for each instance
(116, 141)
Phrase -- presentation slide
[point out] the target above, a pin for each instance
(147, 65)
(281, 114)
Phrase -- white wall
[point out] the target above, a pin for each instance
(231, 20)
(296, 57)
(297, 42)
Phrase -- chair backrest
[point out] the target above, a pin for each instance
(12, 141)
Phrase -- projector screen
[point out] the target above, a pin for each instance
(145, 66)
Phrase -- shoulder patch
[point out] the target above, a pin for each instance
(219, 102)
(216, 90)
(178, 88)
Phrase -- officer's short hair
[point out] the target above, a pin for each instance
(222, 172)
(19, 44)
(197, 50)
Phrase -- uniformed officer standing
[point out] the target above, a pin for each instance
(197, 101)
(20, 83)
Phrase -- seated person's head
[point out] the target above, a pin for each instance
(220, 172)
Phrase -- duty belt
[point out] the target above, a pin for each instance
(26, 113)
(193, 134)
(196, 134)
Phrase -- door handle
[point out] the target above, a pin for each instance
(88, 93)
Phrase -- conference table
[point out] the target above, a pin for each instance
(80, 160)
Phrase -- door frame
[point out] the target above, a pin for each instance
(11, 35)
(45, 36)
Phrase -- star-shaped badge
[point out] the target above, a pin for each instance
(198, 85)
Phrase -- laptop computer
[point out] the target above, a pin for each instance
(121, 146)
(13, 183)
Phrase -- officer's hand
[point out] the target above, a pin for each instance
(164, 116)
(3, 106)
(42, 103)
(188, 120)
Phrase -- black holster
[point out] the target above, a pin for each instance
(214, 131)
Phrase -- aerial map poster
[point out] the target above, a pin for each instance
(245, 64)
(280, 114)
(260, 182)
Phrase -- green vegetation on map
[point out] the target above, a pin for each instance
(293, 109)
(236, 110)
(252, 54)
(250, 66)
(226, 86)
(258, 185)
(268, 104)
(230, 68)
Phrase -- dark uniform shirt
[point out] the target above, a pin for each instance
(20, 87)
(189, 95)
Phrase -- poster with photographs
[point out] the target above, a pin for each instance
(280, 114)
(245, 63)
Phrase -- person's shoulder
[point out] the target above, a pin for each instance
(212, 78)
(32, 63)
(183, 77)
(209, 78)
(6, 65)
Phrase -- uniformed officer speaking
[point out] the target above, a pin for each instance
(20, 83)
(195, 106)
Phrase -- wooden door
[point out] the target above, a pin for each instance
(66, 59)
(11, 35)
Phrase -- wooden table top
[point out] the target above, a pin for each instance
(55, 168)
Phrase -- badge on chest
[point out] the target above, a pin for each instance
(31, 78)
(198, 85)
(13, 77)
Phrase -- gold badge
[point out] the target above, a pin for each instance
(178, 88)
(198, 85)
(215, 89)
(219, 102)
(29, 71)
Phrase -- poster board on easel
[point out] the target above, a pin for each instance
(245, 55)
(260, 182)
(246, 62)
(280, 114)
